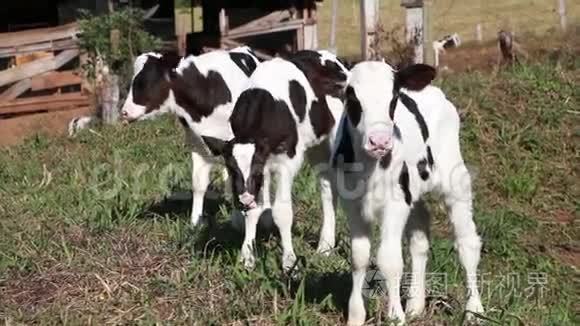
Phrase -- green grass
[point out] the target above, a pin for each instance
(88, 234)
(450, 16)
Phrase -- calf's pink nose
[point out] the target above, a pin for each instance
(379, 141)
(247, 200)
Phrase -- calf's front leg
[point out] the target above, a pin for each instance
(329, 199)
(200, 179)
(390, 254)
(360, 231)
(282, 211)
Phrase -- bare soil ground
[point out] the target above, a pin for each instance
(15, 130)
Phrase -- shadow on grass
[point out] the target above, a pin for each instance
(178, 204)
(215, 234)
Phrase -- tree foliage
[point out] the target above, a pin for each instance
(95, 40)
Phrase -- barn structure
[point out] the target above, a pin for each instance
(268, 25)
(39, 54)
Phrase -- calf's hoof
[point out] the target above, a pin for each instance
(397, 315)
(325, 248)
(249, 261)
(289, 263)
(473, 306)
(415, 307)
(198, 220)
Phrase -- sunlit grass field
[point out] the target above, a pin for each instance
(91, 231)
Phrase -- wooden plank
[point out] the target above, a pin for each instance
(38, 35)
(36, 67)
(44, 103)
(15, 90)
(281, 27)
(223, 22)
(47, 107)
(49, 46)
(74, 96)
(268, 20)
(29, 57)
(55, 79)
(310, 37)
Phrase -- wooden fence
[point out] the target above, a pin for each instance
(41, 75)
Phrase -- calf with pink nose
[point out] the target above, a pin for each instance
(201, 90)
(399, 139)
(287, 114)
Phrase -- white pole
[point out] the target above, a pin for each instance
(562, 12)
(414, 28)
(369, 20)
(332, 44)
(428, 55)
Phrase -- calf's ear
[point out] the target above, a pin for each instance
(215, 145)
(415, 77)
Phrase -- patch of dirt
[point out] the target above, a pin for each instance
(15, 130)
(568, 255)
(470, 57)
(97, 278)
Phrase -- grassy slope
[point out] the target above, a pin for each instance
(74, 250)
(451, 16)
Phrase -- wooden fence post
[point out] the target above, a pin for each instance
(478, 33)
(414, 27)
(332, 45)
(428, 51)
(562, 12)
(369, 12)
(108, 97)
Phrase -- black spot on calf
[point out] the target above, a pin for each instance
(244, 61)
(150, 87)
(345, 149)
(261, 119)
(215, 145)
(404, 183)
(430, 157)
(199, 94)
(411, 105)
(353, 107)
(422, 169)
(321, 118)
(298, 99)
(325, 79)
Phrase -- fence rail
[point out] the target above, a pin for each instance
(36, 80)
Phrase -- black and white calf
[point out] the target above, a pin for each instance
(447, 42)
(398, 139)
(287, 113)
(201, 90)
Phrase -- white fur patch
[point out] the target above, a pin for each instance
(243, 154)
(327, 55)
